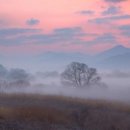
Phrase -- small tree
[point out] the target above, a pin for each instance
(18, 77)
(80, 75)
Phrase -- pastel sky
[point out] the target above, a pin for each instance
(38, 26)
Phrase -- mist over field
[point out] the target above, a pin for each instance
(116, 84)
(64, 65)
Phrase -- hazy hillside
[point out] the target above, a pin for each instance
(121, 61)
(118, 50)
(115, 58)
(109, 59)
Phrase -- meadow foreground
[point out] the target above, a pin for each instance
(38, 112)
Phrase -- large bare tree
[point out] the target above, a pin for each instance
(80, 75)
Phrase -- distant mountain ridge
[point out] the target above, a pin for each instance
(118, 50)
(115, 58)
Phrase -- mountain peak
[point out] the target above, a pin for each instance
(120, 47)
(117, 50)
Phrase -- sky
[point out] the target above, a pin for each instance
(89, 26)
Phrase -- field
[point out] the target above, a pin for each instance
(38, 112)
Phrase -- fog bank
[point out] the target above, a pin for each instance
(20, 81)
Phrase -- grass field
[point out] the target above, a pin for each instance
(38, 112)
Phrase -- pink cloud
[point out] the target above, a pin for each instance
(54, 14)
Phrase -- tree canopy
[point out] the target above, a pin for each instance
(80, 75)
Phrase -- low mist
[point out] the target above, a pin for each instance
(117, 84)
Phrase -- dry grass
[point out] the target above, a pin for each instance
(31, 98)
(66, 111)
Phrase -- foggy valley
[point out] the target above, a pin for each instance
(64, 65)
(117, 84)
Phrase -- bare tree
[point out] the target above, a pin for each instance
(80, 75)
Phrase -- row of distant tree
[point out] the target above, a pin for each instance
(76, 75)
(13, 77)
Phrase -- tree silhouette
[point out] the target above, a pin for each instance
(80, 75)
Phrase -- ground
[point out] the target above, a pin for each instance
(38, 112)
